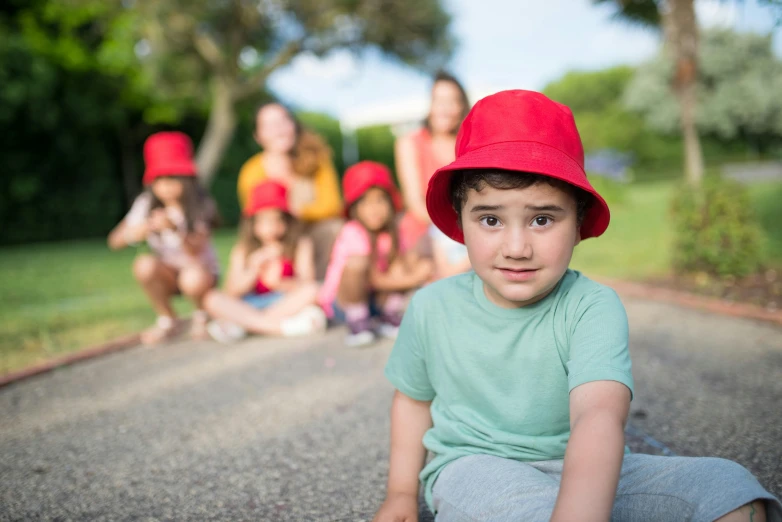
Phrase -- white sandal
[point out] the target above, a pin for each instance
(225, 332)
(165, 328)
(309, 321)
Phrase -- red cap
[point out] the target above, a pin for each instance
(267, 194)
(523, 131)
(168, 154)
(363, 176)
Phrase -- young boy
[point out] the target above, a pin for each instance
(517, 376)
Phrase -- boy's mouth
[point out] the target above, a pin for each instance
(518, 274)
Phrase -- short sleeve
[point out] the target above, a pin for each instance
(406, 366)
(353, 240)
(599, 341)
(139, 210)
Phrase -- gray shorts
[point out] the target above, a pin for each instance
(651, 488)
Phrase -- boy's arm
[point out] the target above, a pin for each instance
(410, 419)
(593, 459)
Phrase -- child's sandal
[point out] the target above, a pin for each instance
(309, 321)
(165, 328)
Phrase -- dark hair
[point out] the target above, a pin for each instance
(443, 76)
(251, 243)
(464, 180)
(309, 149)
(197, 205)
(390, 227)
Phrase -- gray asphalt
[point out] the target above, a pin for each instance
(297, 430)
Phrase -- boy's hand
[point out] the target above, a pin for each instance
(398, 507)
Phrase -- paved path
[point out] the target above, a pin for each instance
(297, 430)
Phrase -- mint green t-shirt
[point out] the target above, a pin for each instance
(499, 379)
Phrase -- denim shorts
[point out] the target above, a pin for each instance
(651, 488)
(261, 301)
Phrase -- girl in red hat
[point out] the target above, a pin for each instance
(367, 267)
(174, 215)
(271, 285)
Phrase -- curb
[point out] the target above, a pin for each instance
(112, 346)
(698, 302)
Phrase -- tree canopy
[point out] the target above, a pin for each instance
(738, 89)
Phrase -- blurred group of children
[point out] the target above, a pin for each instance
(270, 287)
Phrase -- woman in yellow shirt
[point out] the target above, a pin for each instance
(300, 160)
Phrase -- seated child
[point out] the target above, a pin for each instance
(271, 286)
(367, 272)
(174, 215)
(517, 376)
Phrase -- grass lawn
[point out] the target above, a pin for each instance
(59, 297)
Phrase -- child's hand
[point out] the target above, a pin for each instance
(398, 507)
(158, 221)
(263, 255)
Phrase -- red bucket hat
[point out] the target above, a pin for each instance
(363, 176)
(523, 131)
(267, 194)
(168, 154)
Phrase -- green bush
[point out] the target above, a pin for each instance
(715, 230)
(376, 143)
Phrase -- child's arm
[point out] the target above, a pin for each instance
(194, 242)
(242, 272)
(410, 419)
(124, 235)
(593, 459)
(303, 267)
(400, 276)
(134, 227)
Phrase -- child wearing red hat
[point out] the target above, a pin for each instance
(174, 215)
(367, 270)
(270, 288)
(517, 376)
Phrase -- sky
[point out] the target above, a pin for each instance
(502, 44)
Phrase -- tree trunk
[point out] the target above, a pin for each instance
(680, 27)
(219, 131)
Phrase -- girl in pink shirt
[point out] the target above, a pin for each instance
(368, 272)
(270, 288)
(174, 216)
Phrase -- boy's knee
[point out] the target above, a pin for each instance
(194, 280)
(145, 267)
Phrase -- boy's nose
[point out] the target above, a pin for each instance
(516, 245)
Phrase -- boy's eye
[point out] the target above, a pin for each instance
(542, 221)
(490, 221)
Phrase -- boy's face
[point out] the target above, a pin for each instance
(520, 241)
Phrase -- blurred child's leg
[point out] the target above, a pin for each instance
(159, 282)
(353, 298)
(274, 320)
(194, 281)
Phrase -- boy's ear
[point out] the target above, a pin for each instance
(578, 236)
